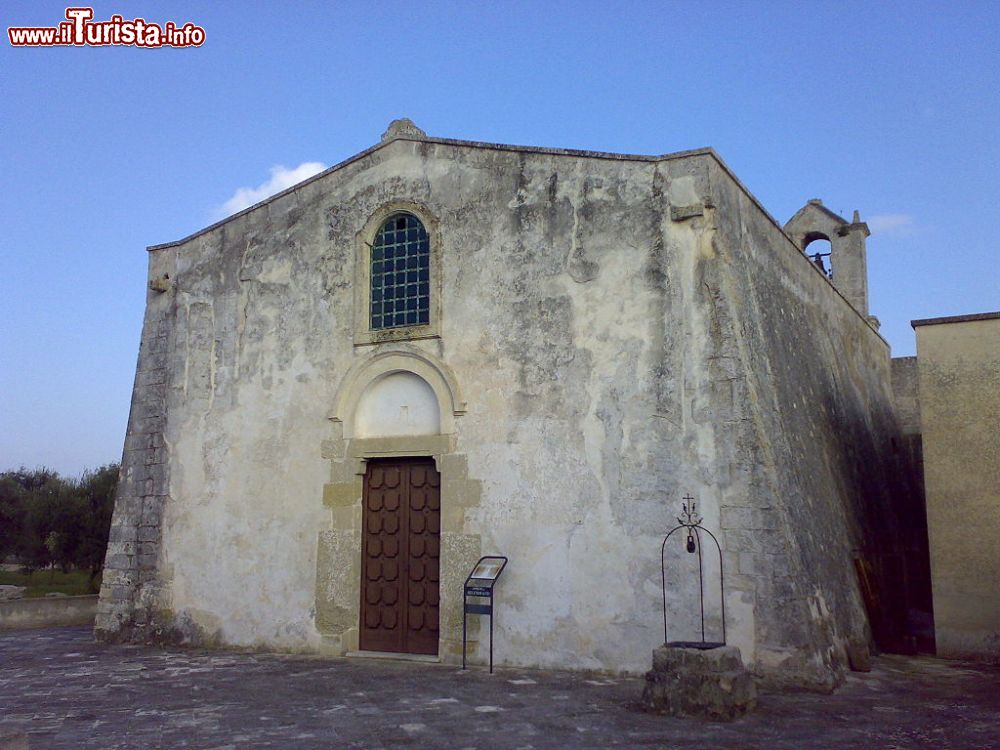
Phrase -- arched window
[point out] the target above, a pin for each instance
(400, 274)
(820, 250)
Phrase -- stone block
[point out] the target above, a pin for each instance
(859, 657)
(109, 578)
(676, 659)
(740, 541)
(332, 449)
(771, 540)
(750, 564)
(158, 474)
(344, 518)
(148, 425)
(121, 593)
(342, 494)
(765, 518)
(116, 548)
(680, 213)
(123, 534)
(453, 518)
(149, 534)
(8, 593)
(778, 565)
(737, 519)
(136, 442)
(159, 344)
(156, 456)
(149, 408)
(454, 465)
(120, 561)
(150, 377)
(708, 684)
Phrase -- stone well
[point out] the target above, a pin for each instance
(704, 683)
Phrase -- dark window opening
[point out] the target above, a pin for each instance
(818, 249)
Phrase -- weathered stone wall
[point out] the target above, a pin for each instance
(906, 393)
(959, 370)
(47, 612)
(130, 585)
(622, 330)
(813, 480)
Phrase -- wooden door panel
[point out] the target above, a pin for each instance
(418, 574)
(381, 584)
(416, 595)
(424, 535)
(400, 550)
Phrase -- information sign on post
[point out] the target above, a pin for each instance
(479, 587)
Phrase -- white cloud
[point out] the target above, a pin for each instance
(890, 223)
(281, 178)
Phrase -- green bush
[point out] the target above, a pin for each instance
(47, 521)
(53, 580)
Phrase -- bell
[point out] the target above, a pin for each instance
(690, 544)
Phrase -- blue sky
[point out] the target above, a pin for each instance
(889, 108)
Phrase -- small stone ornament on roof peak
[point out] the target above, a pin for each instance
(402, 128)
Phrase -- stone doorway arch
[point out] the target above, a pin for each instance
(395, 405)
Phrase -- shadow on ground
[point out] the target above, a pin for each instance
(58, 689)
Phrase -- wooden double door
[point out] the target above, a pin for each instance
(400, 553)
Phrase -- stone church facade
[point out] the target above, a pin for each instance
(441, 349)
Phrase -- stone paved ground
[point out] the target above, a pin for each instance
(58, 689)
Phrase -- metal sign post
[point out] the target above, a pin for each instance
(479, 587)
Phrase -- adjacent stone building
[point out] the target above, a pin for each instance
(949, 397)
(441, 349)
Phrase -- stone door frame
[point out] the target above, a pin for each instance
(338, 558)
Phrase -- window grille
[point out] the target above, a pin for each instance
(400, 274)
